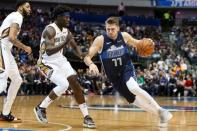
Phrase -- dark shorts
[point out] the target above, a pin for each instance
(120, 83)
(121, 87)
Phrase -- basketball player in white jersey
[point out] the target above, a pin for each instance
(54, 65)
(9, 30)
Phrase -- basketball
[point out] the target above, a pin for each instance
(145, 47)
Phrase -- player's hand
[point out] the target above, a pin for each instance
(28, 50)
(148, 40)
(69, 37)
(93, 69)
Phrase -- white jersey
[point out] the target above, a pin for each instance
(14, 17)
(55, 67)
(59, 38)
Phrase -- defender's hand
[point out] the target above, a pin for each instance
(28, 50)
(69, 37)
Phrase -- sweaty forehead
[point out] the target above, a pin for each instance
(26, 4)
(111, 26)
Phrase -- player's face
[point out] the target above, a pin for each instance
(64, 20)
(112, 30)
(26, 9)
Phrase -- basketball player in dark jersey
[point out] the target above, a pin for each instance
(114, 55)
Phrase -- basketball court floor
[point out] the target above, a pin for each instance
(111, 113)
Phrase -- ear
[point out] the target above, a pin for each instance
(118, 28)
(20, 8)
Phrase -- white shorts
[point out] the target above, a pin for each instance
(59, 67)
(7, 62)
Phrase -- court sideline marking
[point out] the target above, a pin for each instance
(67, 127)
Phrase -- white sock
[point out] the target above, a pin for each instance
(143, 105)
(46, 102)
(84, 109)
(143, 95)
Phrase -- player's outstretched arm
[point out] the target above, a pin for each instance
(93, 50)
(133, 42)
(129, 39)
(14, 29)
(76, 48)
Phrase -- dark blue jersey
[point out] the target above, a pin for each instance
(116, 59)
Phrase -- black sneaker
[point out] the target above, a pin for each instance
(40, 114)
(9, 118)
(88, 122)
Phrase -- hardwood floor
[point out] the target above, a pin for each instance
(110, 113)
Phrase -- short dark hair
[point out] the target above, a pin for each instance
(113, 20)
(60, 9)
(21, 2)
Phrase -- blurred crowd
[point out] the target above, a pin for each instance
(166, 74)
(186, 39)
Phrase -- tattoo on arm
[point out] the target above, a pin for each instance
(49, 36)
(13, 31)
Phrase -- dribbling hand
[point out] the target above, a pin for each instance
(148, 40)
(93, 69)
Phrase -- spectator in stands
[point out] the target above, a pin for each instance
(121, 9)
(188, 84)
(179, 91)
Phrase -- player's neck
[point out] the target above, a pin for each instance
(114, 38)
(20, 11)
(58, 25)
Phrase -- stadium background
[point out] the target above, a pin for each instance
(170, 71)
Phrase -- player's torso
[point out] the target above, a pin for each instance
(14, 17)
(60, 37)
(114, 56)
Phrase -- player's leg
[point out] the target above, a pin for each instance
(16, 80)
(60, 80)
(131, 98)
(3, 81)
(144, 100)
(4, 65)
(78, 94)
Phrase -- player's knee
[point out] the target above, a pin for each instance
(59, 90)
(73, 82)
(16, 78)
(133, 86)
(3, 85)
(65, 85)
(72, 79)
(3, 82)
(17, 81)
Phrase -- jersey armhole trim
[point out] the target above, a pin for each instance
(5, 33)
(100, 51)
